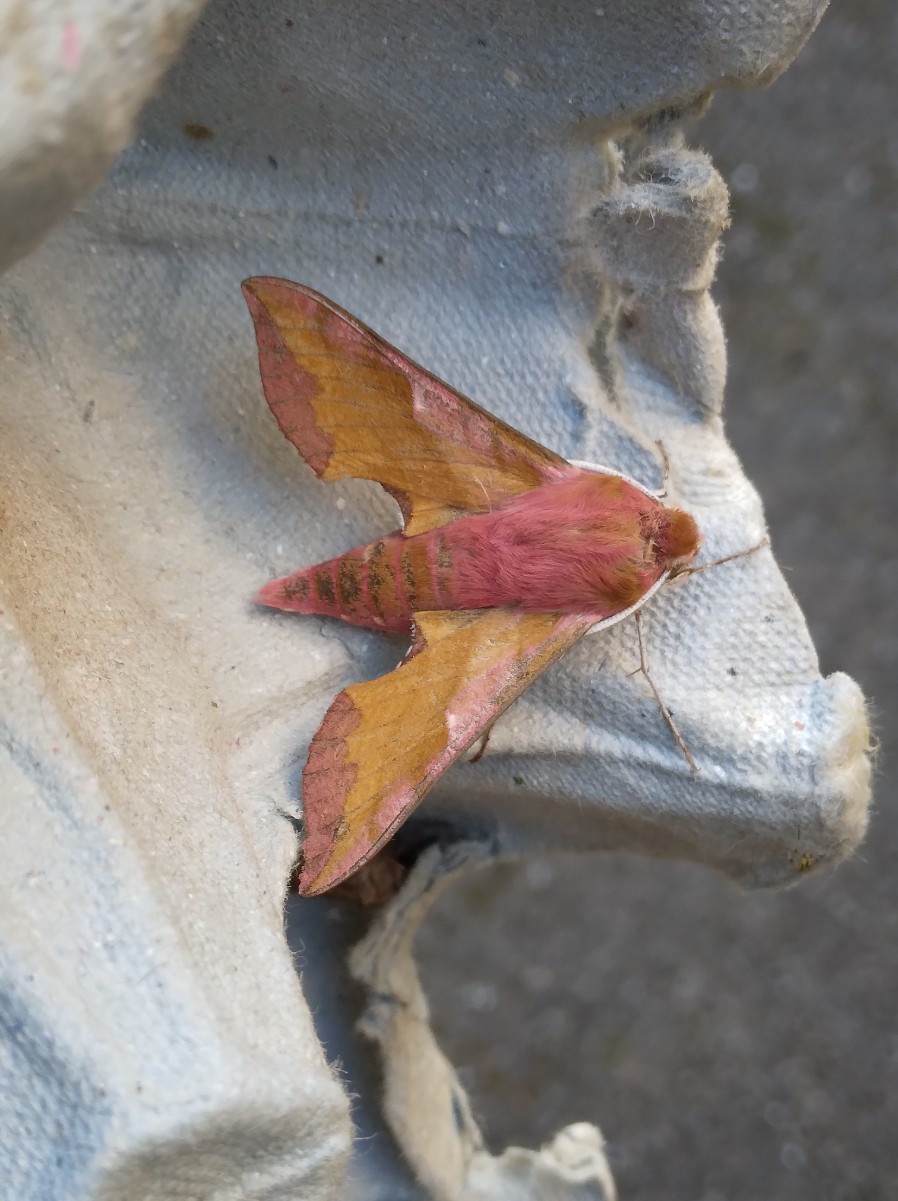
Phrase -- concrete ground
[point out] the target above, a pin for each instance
(741, 1047)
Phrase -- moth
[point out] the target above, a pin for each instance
(508, 555)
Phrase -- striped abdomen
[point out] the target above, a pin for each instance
(379, 585)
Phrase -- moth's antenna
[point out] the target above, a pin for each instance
(665, 712)
(740, 554)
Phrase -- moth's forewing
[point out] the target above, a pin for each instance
(355, 406)
(384, 743)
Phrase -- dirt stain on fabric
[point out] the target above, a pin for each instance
(197, 132)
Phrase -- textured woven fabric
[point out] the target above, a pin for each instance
(444, 174)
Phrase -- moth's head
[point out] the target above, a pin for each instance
(676, 539)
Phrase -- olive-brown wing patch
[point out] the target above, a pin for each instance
(384, 743)
(355, 406)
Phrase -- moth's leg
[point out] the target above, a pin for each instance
(484, 739)
(661, 490)
(665, 712)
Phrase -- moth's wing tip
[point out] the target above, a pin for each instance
(254, 283)
(325, 865)
(251, 288)
(258, 285)
(253, 294)
(259, 290)
(315, 880)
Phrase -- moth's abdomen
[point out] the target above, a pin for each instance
(378, 586)
(591, 545)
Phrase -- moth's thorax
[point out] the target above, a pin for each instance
(589, 543)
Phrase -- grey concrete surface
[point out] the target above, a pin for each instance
(740, 1047)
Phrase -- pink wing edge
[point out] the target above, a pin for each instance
(476, 706)
(454, 416)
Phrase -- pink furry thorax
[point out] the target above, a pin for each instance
(582, 545)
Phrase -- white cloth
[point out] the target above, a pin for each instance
(439, 171)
